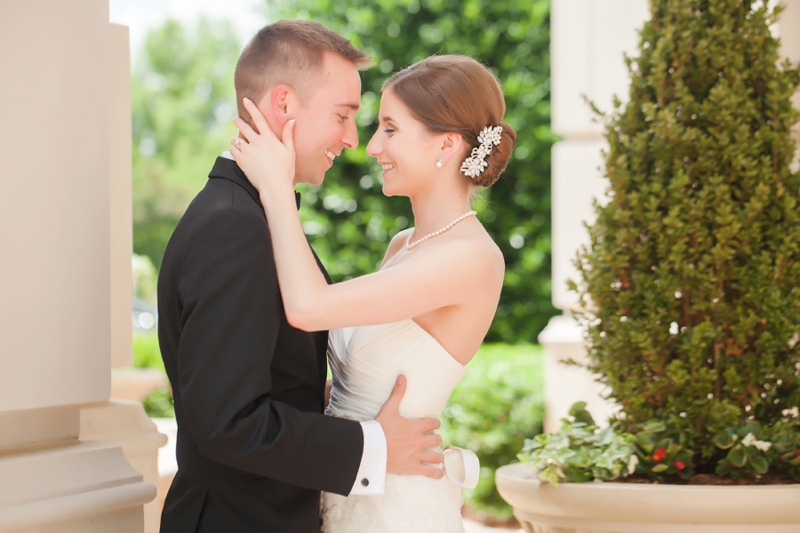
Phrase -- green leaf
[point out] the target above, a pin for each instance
(760, 464)
(723, 441)
(737, 456)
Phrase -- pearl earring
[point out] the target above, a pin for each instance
(440, 162)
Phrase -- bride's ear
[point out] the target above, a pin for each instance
(452, 144)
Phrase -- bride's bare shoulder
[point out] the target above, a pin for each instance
(488, 254)
(473, 254)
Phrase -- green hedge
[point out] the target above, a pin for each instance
(493, 410)
(146, 353)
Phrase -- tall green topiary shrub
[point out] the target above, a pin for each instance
(691, 283)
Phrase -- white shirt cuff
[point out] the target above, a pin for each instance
(371, 477)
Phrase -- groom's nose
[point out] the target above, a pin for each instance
(350, 138)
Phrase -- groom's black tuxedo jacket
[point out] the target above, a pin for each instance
(253, 446)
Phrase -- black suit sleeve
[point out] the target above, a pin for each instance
(231, 314)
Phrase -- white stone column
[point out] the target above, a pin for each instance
(588, 39)
(122, 421)
(58, 60)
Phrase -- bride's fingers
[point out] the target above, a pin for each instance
(245, 129)
(288, 135)
(235, 146)
(258, 118)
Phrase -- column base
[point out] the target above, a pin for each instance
(125, 423)
(86, 487)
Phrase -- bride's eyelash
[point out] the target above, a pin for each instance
(389, 130)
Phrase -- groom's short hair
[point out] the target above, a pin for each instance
(289, 52)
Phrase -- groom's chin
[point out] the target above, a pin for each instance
(310, 179)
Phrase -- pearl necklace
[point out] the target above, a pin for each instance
(410, 245)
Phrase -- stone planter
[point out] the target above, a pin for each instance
(634, 508)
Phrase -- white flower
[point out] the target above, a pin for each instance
(750, 440)
(762, 445)
(632, 462)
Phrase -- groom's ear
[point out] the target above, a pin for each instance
(281, 100)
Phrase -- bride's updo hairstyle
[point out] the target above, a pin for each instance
(452, 93)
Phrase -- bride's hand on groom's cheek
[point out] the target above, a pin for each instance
(267, 161)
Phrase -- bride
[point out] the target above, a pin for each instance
(425, 312)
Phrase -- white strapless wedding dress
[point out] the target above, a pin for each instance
(365, 362)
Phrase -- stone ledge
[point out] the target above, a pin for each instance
(67, 483)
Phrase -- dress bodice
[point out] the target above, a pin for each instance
(366, 360)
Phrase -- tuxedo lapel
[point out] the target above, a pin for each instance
(225, 168)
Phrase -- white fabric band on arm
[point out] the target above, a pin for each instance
(462, 467)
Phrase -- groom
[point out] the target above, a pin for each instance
(254, 449)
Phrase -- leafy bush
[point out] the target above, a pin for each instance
(145, 278)
(663, 451)
(158, 403)
(182, 103)
(753, 449)
(492, 411)
(580, 451)
(691, 283)
(146, 353)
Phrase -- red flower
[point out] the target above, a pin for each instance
(679, 465)
(659, 454)
(797, 453)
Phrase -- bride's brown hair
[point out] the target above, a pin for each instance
(456, 94)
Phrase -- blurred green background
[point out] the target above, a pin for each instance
(183, 102)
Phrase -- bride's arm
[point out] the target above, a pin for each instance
(444, 275)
